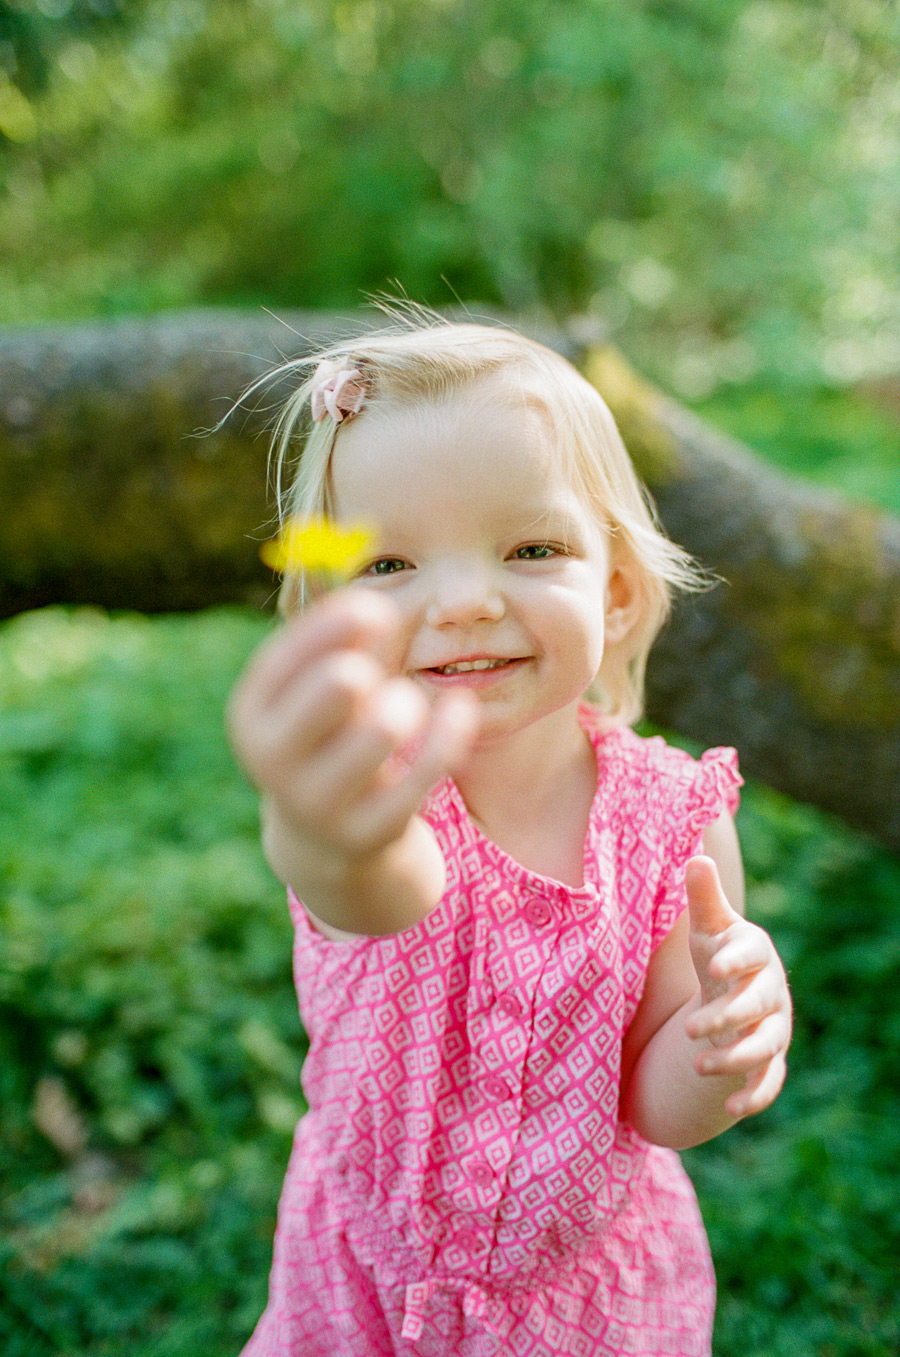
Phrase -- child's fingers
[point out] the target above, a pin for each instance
(273, 744)
(745, 949)
(345, 620)
(453, 724)
(762, 993)
(760, 1089)
(349, 766)
(767, 1040)
(334, 693)
(710, 910)
(384, 815)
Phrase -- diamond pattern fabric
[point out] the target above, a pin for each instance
(461, 1185)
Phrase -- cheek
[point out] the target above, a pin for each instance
(593, 639)
(577, 633)
(594, 644)
(580, 613)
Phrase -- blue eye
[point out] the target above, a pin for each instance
(535, 551)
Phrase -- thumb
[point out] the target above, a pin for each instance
(708, 905)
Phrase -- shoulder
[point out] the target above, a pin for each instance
(660, 772)
(656, 793)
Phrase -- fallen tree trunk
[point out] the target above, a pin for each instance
(118, 496)
(795, 656)
(111, 497)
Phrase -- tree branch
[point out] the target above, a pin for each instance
(112, 497)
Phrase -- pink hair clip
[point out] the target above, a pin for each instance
(336, 393)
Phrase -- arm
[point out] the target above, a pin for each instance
(315, 720)
(708, 1041)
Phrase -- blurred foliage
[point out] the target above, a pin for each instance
(150, 1044)
(147, 1020)
(30, 35)
(848, 440)
(720, 183)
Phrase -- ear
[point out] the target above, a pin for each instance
(624, 598)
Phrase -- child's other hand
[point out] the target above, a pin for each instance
(745, 1012)
(315, 720)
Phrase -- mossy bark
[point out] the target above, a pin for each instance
(113, 495)
(116, 492)
(795, 656)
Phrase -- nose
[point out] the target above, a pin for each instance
(464, 593)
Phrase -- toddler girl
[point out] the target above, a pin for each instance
(523, 990)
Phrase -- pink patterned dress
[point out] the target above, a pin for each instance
(461, 1185)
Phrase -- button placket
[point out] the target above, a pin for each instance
(481, 1173)
(496, 1087)
(538, 913)
(466, 1238)
(510, 1005)
(500, 1029)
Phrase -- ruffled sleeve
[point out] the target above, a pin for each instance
(704, 789)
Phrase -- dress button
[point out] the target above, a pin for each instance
(497, 1088)
(481, 1173)
(537, 912)
(466, 1239)
(510, 1004)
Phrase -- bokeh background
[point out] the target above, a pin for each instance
(716, 185)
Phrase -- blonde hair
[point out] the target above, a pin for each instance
(423, 358)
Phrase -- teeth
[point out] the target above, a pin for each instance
(466, 666)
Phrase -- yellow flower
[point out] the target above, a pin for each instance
(317, 547)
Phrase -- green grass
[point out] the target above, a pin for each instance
(146, 964)
(146, 970)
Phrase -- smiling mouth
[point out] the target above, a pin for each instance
(469, 666)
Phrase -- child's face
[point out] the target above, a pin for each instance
(505, 583)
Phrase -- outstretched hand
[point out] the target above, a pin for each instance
(318, 720)
(744, 1021)
(317, 716)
